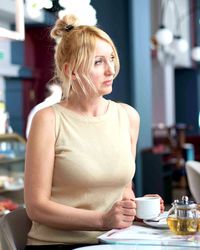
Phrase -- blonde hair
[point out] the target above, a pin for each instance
(75, 48)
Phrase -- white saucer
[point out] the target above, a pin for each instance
(161, 223)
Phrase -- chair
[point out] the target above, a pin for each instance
(193, 176)
(14, 228)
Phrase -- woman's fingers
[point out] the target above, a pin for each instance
(128, 204)
(129, 212)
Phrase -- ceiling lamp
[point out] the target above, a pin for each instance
(81, 8)
(164, 36)
(47, 4)
(195, 54)
(34, 7)
(179, 44)
(170, 45)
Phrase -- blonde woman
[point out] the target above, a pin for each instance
(80, 157)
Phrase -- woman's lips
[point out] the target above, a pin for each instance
(108, 83)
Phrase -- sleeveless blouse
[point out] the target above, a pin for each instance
(93, 164)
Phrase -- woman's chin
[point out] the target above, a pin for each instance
(106, 91)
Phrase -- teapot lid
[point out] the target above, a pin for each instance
(184, 203)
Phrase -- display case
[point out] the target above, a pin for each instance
(12, 156)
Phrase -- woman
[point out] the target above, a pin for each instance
(80, 157)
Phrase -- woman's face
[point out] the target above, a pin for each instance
(103, 68)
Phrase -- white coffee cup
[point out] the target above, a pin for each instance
(147, 207)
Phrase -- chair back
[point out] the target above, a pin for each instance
(14, 228)
(193, 176)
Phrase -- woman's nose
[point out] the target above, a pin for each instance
(110, 68)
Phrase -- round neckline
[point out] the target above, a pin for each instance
(86, 118)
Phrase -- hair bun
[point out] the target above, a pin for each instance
(60, 26)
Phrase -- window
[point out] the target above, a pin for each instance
(12, 13)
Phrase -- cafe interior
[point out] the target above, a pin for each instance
(158, 42)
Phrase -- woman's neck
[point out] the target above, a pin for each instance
(87, 106)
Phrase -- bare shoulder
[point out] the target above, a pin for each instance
(45, 115)
(133, 115)
(43, 121)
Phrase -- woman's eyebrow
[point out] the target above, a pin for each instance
(102, 56)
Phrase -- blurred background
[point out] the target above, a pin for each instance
(159, 48)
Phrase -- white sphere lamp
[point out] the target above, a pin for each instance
(179, 44)
(196, 54)
(164, 36)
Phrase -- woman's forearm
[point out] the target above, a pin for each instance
(64, 217)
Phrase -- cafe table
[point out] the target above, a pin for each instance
(141, 236)
(131, 247)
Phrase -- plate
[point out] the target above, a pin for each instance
(160, 221)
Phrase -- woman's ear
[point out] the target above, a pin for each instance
(66, 71)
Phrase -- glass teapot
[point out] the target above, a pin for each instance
(182, 217)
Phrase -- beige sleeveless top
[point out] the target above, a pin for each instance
(93, 164)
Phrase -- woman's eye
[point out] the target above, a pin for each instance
(99, 61)
(112, 58)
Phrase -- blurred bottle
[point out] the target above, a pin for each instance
(3, 117)
(9, 129)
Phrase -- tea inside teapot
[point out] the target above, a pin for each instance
(182, 217)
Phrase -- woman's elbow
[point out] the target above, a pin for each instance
(34, 210)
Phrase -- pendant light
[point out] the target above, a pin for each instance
(179, 44)
(170, 44)
(164, 36)
(195, 54)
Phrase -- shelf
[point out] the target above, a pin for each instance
(6, 161)
(12, 137)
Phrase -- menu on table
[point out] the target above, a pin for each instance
(141, 234)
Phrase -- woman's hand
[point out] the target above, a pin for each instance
(121, 215)
(162, 206)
